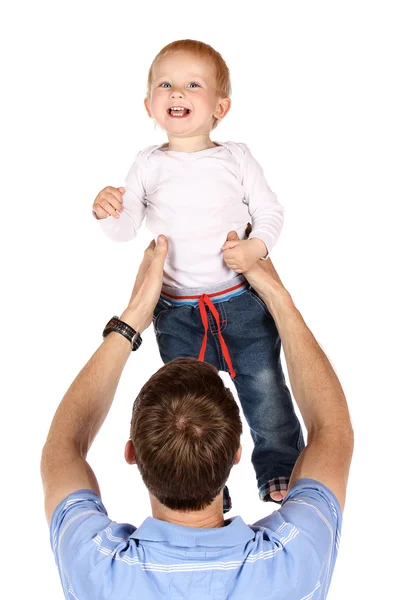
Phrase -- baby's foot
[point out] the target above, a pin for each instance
(278, 496)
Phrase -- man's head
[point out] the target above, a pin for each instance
(192, 75)
(185, 432)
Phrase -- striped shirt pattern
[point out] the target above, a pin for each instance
(290, 554)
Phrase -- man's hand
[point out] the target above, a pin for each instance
(108, 202)
(147, 288)
(240, 255)
(263, 277)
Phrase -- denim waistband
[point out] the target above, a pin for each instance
(217, 292)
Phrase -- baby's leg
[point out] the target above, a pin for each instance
(274, 427)
(254, 345)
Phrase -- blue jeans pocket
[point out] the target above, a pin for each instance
(253, 294)
(161, 307)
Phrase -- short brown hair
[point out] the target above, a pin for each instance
(185, 430)
(202, 50)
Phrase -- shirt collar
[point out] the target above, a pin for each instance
(234, 533)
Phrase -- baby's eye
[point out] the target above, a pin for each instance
(164, 84)
(193, 83)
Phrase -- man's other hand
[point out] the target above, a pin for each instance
(240, 255)
(262, 276)
(147, 288)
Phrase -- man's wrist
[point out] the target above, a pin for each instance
(277, 299)
(135, 318)
(260, 248)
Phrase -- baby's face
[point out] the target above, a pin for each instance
(183, 80)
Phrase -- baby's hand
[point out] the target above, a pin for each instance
(240, 255)
(108, 202)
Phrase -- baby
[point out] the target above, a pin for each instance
(200, 193)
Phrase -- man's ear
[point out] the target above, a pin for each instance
(130, 453)
(147, 107)
(238, 455)
(222, 108)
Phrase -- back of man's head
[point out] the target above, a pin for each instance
(185, 430)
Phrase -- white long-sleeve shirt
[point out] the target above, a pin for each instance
(195, 199)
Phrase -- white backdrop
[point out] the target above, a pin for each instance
(315, 97)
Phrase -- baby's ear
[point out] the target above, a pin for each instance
(147, 107)
(223, 107)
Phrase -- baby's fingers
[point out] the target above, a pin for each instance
(100, 212)
(114, 198)
(229, 254)
(103, 208)
(231, 263)
(109, 203)
(116, 193)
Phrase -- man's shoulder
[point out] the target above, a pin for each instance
(310, 515)
(81, 517)
(318, 499)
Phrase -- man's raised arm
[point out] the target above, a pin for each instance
(315, 387)
(84, 407)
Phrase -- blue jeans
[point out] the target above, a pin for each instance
(254, 346)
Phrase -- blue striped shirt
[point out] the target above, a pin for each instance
(289, 554)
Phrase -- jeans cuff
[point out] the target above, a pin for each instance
(277, 484)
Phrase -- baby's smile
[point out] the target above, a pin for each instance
(178, 111)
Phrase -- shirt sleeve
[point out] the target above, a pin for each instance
(77, 527)
(266, 212)
(126, 227)
(311, 519)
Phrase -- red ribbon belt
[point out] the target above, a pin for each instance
(204, 301)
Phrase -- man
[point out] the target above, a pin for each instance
(185, 437)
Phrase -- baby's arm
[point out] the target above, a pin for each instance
(267, 217)
(266, 212)
(120, 211)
